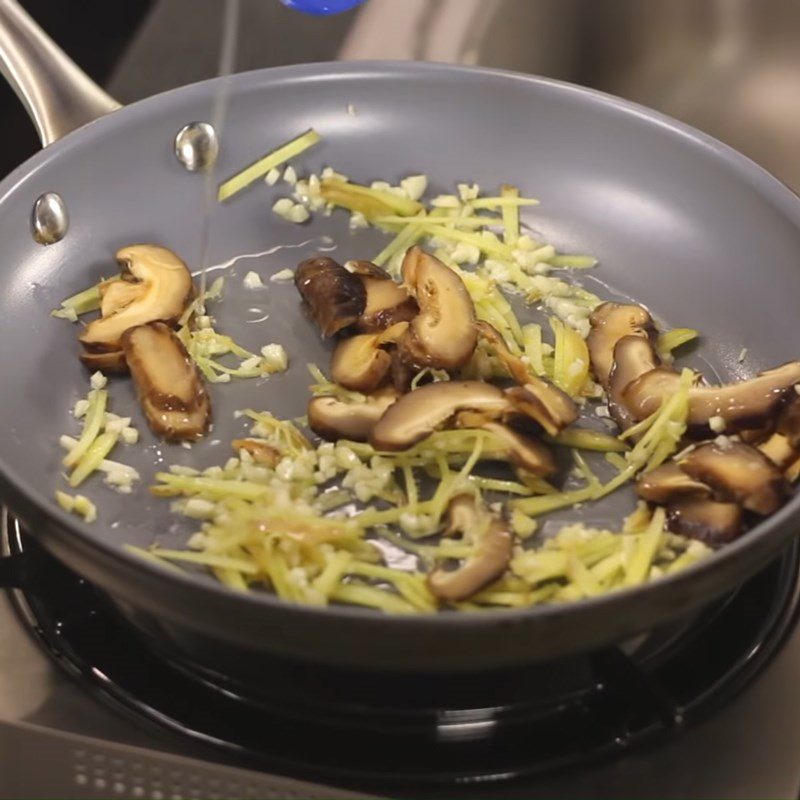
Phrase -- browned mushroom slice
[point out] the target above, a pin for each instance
(335, 298)
(359, 363)
(387, 302)
(710, 522)
(443, 334)
(523, 451)
(778, 449)
(789, 421)
(738, 473)
(668, 483)
(514, 364)
(261, 452)
(633, 356)
(400, 373)
(105, 362)
(118, 293)
(611, 322)
(170, 390)
(334, 419)
(747, 404)
(419, 413)
(544, 403)
(166, 289)
(494, 543)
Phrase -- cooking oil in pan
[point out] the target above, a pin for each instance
(227, 62)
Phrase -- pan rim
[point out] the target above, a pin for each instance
(766, 185)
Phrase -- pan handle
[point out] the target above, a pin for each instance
(58, 96)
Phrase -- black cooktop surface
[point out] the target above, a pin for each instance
(418, 733)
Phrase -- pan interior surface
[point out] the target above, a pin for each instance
(702, 237)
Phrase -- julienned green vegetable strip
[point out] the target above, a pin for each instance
(532, 340)
(410, 585)
(93, 422)
(510, 215)
(672, 340)
(150, 556)
(326, 582)
(667, 427)
(533, 506)
(270, 161)
(340, 192)
(489, 244)
(638, 568)
(208, 560)
(183, 484)
(572, 262)
(407, 237)
(362, 595)
(505, 201)
(83, 302)
(582, 439)
(93, 457)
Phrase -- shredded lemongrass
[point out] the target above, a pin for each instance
(638, 566)
(82, 302)
(510, 215)
(583, 439)
(221, 562)
(570, 359)
(370, 202)
(92, 423)
(406, 238)
(93, 457)
(371, 597)
(270, 161)
(572, 262)
(672, 340)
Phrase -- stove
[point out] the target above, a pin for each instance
(707, 708)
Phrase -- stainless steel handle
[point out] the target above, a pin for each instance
(58, 96)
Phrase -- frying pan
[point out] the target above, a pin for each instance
(677, 219)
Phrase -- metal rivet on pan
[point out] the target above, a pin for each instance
(197, 146)
(49, 219)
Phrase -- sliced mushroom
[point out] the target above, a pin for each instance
(668, 483)
(748, 404)
(262, 452)
(117, 293)
(387, 302)
(710, 522)
(633, 356)
(360, 363)
(789, 421)
(737, 472)
(523, 451)
(400, 373)
(105, 362)
(778, 449)
(494, 543)
(611, 322)
(333, 419)
(335, 298)
(166, 289)
(420, 412)
(167, 381)
(514, 364)
(443, 334)
(544, 403)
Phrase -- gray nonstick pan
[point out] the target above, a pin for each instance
(679, 221)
